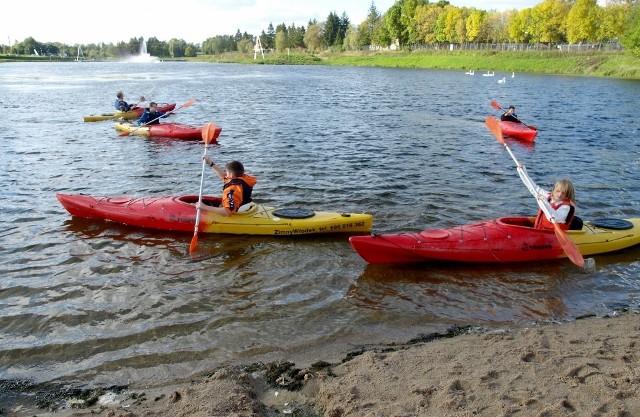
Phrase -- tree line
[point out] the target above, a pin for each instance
(405, 24)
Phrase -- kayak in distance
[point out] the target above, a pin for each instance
(167, 130)
(178, 213)
(502, 240)
(518, 130)
(134, 113)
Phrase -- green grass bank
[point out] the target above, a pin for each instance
(618, 65)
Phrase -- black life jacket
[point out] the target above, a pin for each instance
(246, 189)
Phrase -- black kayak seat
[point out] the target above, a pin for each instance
(613, 224)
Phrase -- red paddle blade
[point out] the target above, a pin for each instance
(210, 132)
(570, 248)
(194, 243)
(494, 127)
(495, 105)
(188, 103)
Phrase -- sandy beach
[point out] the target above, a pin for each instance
(586, 367)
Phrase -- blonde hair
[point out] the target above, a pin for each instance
(566, 186)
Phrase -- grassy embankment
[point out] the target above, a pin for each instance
(584, 64)
(593, 64)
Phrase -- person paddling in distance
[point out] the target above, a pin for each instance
(510, 115)
(236, 190)
(120, 104)
(560, 203)
(151, 116)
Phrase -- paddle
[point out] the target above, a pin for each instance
(187, 104)
(567, 244)
(209, 132)
(495, 105)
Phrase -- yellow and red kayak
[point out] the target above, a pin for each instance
(166, 130)
(178, 213)
(127, 115)
(506, 239)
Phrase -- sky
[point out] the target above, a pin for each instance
(95, 21)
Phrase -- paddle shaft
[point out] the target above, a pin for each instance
(209, 132)
(204, 163)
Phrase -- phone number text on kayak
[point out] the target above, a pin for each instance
(310, 230)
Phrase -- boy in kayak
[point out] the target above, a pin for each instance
(120, 104)
(236, 190)
(560, 202)
(510, 115)
(151, 116)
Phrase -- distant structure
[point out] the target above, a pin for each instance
(80, 55)
(258, 47)
(143, 56)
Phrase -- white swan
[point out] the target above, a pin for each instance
(470, 72)
(513, 75)
(489, 74)
(502, 81)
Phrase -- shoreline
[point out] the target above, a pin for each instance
(589, 366)
(622, 65)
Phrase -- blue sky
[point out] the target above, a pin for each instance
(90, 21)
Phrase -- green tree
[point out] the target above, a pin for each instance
(282, 42)
(425, 20)
(548, 21)
(351, 39)
(393, 23)
(331, 30)
(474, 25)
(583, 20)
(519, 24)
(313, 37)
(631, 38)
(613, 24)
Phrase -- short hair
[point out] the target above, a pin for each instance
(119, 94)
(235, 168)
(512, 107)
(566, 186)
(153, 103)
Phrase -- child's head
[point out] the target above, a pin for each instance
(119, 95)
(235, 168)
(512, 109)
(567, 189)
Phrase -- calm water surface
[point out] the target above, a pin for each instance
(101, 303)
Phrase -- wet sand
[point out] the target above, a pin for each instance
(587, 367)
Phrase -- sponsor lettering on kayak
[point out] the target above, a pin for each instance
(544, 246)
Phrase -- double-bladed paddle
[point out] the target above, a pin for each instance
(209, 132)
(496, 106)
(567, 244)
(187, 104)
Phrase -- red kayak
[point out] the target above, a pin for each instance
(179, 213)
(502, 240)
(167, 130)
(518, 130)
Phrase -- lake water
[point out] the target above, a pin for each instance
(100, 303)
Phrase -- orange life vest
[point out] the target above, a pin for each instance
(543, 223)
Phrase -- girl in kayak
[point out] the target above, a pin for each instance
(236, 190)
(560, 202)
(510, 115)
(151, 116)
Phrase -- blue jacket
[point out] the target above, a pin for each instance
(151, 117)
(122, 105)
